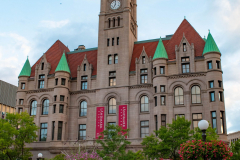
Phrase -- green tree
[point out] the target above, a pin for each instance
(210, 132)
(113, 143)
(15, 132)
(167, 142)
(235, 148)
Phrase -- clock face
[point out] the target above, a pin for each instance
(115, 4)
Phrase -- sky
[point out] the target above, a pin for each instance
(29, 28)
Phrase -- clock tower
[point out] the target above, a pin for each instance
(117, 34)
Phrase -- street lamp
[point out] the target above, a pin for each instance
(203, 125)
(40, 155)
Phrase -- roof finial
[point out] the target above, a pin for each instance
(27, 57)
(209, 30)
(204, 36)
(184, 17)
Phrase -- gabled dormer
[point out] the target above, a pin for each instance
(84, 74)
(185, 56)
(41, 73)
(144, 68)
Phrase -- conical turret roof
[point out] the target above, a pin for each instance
(26, 70)
(63, 64)
(160, 51)
(210, 45)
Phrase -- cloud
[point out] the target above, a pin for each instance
(54, 24)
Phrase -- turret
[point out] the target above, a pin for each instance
(212, 56)
(61, 98)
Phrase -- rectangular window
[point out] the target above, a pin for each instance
(185, 59)
(53, 129)
(162, 70)
(61, 98)
(20, 101)
(55, 98)
(60, 125)
(220, 84)
(43, 132)
(84, 77)
(56, 81)
(84, 85)
(112, 74)
(115, 59)
(162, 88)
(144, 129)
(42, 66)
(222, 121)
(84, 67)
(163, 100)
(185, 68)
(184, 47)
(109, 59)
(54, 108)
(82, 132)
(143, 60)
(214, 120)
(196, 118)
(156, 122)
(155, 71)
(41, 84)
(22, 85)
(117, 40)
(63, 81)
(20, 110)
(155, 101)
(220, 95)
(155, 89)
(108, 42)
(163, 120)
(179, 115)
(218, 64)
(212, 96)
(41, 76)
(144, 79)
(209, 63)
(61, 108)
(112, 41)
(112, 81)
(211, 84)
(143, 70)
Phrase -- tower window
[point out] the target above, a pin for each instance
(218, 64)
(63, 81)
(156, 122)
(222, 121)
(214, 120)
(119, 21)
(117, 40)
(109, 23)
(211, 84)
(162, 88)
(220, 94)
(108, 42)
(155, 100)
(155, 71)
(220, 84)
(155, 89)
(114, 22)
(212, 96)
(209, 64)
(42, 66)
(61, 98)
(61, 108)
(109, 59)
(56, 81)
(163, 100)
(22, 85)
(112, 41)
(60, 125)
(162, 70)
(184, 47)
(115, 59)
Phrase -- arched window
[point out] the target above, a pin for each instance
(144, 104)
(112, 105)
(109, 23)
(33, 108)
(109, 59)
(178, 94)
(45, 107)
(114, 20)
(119, 21)
(83, 109)
(115, 59)
(196, 94)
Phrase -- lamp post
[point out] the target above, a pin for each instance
(40, 155)
(203, 125)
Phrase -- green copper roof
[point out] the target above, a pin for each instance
(63, 65)
(160, 51)
(210, 45)
(26, 70)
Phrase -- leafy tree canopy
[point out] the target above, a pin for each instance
(235, 148)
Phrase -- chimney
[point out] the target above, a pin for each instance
(81, 47)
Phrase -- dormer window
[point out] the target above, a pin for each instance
(41, 81)
(84, 67)
(42, 66)
(143, 60)
(185, 65)
(184, 47)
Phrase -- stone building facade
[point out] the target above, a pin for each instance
(233, 137)
(155, 79)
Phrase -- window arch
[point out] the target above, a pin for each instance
(196, 94)
(45, 107)
(33, 108)
(144, 104)
(83, 109)
(112, 105)
(178, 95)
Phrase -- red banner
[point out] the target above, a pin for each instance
(99, 121)
(122, 118)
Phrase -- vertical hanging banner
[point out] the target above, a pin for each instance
(99, 121)
(122, 118)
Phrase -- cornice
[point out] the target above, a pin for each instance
(40, 90)
(82, 92)
(141, 86)
(187, 75)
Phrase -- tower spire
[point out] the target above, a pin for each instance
(26, 70)
(210, 45)
(160, 51)
(63, 64)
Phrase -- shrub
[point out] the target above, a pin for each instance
(83, 156)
